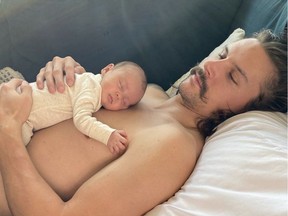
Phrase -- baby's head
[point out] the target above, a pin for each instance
(123, 85)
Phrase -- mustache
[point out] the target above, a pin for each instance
(198, 71)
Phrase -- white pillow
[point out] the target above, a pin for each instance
(242, 170)
(236, 35)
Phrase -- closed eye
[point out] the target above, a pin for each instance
(232, 78)
(120, 85)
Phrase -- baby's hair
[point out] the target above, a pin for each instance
(139, 70)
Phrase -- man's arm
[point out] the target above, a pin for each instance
(142, 178)
(27, 193)
(15, 106)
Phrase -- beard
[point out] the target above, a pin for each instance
(190, 97)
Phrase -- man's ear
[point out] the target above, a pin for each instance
(107, 68)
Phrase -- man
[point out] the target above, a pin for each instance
(65, 173)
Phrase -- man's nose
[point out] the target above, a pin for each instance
(214, 68)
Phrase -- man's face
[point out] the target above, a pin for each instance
(229, 82)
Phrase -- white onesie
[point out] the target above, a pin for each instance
(79, 101)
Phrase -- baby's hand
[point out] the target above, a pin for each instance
(117, 141)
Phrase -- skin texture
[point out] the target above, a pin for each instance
(65, 173)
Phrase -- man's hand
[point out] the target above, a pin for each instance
(117, 142)
(54, 71)
(15, 102)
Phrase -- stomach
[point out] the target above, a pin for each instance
(66, 158)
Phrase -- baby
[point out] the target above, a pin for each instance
(118, 87)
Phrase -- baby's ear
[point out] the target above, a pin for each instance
(107, 68)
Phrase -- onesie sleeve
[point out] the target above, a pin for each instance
(86, 99)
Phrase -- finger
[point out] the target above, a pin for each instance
(79, 69)
(123, 133)
(11, 87)
(14, 83)
(116, 150)
(111, 149)
(69, 69)
(40, 79)
(19, 85)
(25, 88)
(121, 146)
(124, 141)
(48, 76)
(58, 74)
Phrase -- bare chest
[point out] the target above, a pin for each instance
(133, 120)
(66, 158)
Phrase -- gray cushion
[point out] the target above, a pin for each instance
(257, 14)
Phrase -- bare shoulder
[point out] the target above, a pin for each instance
(155, 90)
(154, 95)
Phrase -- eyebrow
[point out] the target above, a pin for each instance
(242, 72)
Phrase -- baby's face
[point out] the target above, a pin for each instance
(121, 88)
